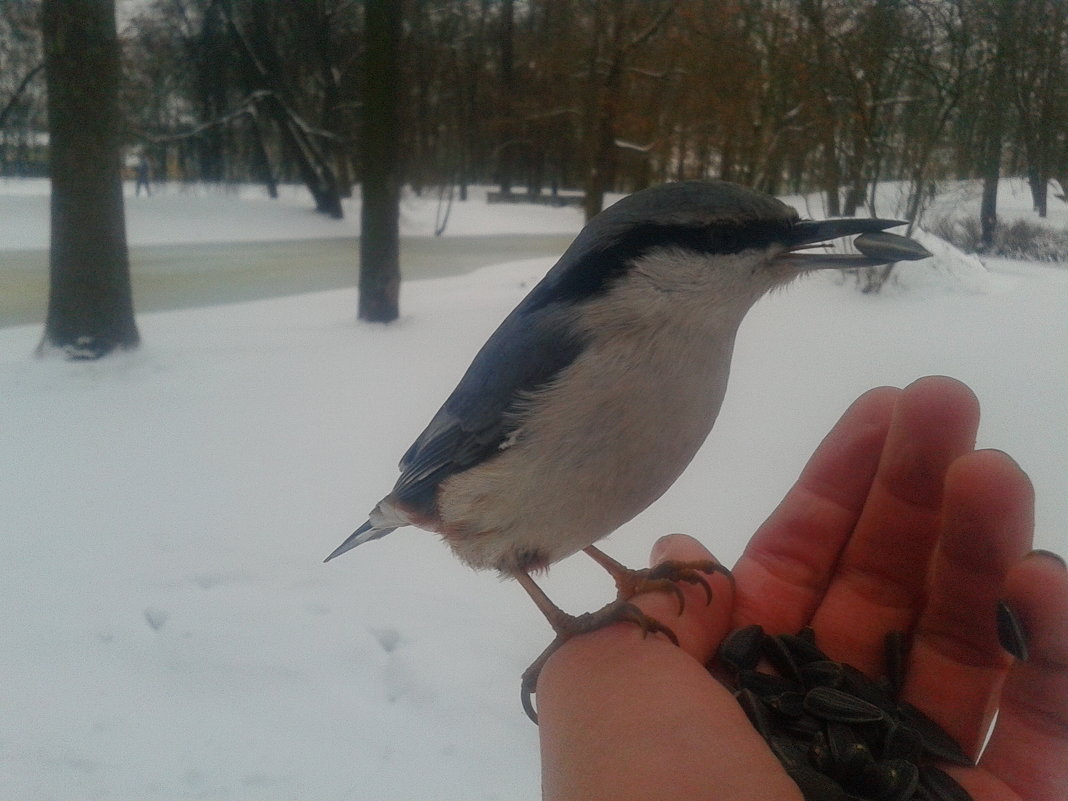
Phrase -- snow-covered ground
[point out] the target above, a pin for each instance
(178, 214)
(168, 628)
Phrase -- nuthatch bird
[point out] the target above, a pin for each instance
(595, 393)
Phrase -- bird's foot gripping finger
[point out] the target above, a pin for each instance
(568, 626)
(666, 575)
(663, 576)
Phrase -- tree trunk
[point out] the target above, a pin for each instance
(990, 166)
(380, 184)
(261, 162)
(210, 65)
(506, 159)
(832, 177)
(988, 206)
(90, 302)
(600, 167)
(319, 22)
(1038, 183)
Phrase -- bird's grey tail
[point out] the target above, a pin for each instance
(364, 533)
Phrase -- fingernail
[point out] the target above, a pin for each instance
(1002, 453)
(1050, 555)
(657, 552)
(662, 548)
(1010, 632)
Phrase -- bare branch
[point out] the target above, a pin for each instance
(643, 36)
(14, 99)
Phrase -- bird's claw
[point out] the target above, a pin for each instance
(665, 576)
(619, 611)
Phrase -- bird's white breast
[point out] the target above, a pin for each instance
(618, 426)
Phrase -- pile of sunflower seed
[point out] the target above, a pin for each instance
(840, 735)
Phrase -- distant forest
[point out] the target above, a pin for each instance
(545, 95)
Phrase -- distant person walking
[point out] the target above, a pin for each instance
(143, 173)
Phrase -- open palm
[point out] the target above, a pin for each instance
(897, 523)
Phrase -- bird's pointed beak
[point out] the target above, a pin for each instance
(876, 246)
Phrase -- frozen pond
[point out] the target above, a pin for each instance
(208, 274)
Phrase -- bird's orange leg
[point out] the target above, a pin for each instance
(628, 584)
(567, 626)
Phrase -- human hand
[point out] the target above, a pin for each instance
(895, 524)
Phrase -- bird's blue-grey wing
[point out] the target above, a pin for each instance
(527, 351)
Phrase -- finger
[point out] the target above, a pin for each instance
(880, 581)
(789, 561)
(700, 625)
(1028, 749)
(956, 665)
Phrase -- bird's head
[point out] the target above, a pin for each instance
(714, 237)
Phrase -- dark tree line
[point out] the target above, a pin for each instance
(779, 94)
(783, 95)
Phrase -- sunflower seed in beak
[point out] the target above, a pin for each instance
(890, 247)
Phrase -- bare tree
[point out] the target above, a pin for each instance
(1038, 92)
(90, 302)
(265, 75)
(941, 65)
(21, 84)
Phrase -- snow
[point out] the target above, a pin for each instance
(177, 214)
(169, 629)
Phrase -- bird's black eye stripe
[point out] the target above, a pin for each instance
(600, 267)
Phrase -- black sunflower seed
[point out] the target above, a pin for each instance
(816, 786)
(822, 673)
(819, 753)
(756, 710)
(781, 658)
(902, 742)
(1011, 634)
(895, 780)
(936, 741)
(805, 726)
(896, 652)
(741, 649)
(764, 684)
(858, 769)
(883, 245)
(790, 752)
(941, 786)
(857, 683)
(840, 740)
(802, 649)
(839, 734)
(841, 707)
(789, 704)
